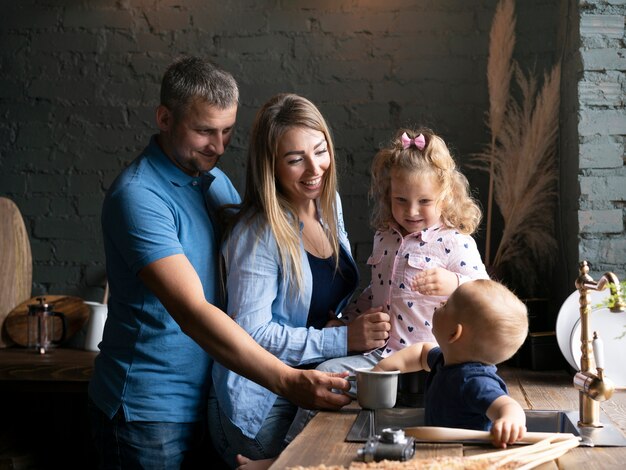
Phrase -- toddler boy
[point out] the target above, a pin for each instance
(482, 324)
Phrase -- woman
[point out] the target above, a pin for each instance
(288, 270)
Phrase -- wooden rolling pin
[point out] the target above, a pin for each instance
(441, 434)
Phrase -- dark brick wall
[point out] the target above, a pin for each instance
(79, 83)
(601, 130)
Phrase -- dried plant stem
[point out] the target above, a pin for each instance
(521, 161)
(499, 73)
(552, 452)
(489, 206)
(525, 187)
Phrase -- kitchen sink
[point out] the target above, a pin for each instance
(372, 422)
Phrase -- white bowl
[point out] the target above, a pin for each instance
(611, 328)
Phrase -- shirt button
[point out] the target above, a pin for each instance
(194, 183)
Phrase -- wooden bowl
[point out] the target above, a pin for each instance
(76, 313)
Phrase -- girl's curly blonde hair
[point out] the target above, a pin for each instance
(458, 209)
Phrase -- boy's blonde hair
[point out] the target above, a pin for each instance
(494, 317)
(458, 209)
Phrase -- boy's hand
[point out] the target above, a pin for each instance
(383, 366)
(435, 281)
(509, 421)
(505, 432)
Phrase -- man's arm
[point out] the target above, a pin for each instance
(175, 283)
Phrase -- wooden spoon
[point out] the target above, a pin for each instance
(442, 434)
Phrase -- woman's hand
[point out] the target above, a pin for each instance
(333, 321)
(435, 281)
(368, 331)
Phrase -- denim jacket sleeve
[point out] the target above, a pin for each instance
(262, 304)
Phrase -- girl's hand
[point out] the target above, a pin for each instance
(435, 281)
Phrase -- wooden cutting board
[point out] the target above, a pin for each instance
(76, 313)
(16, 263)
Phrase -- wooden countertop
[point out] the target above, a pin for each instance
(323, 440)
(59, 370)
(44, 418)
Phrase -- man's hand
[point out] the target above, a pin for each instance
(368, 331)
(313, 389)
(436, 281)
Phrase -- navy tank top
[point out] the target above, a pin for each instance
(330, 287)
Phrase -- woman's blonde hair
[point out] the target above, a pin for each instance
(458, 209)
(264, 198)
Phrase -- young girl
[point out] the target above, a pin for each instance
(423, 250)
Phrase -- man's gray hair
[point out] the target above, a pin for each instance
(191, 78)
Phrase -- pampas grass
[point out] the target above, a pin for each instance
(499, 72)
(521, 161)
(499, 68)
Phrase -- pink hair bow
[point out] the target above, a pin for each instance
(419, 141)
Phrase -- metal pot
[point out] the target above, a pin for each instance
(411, 389)
(375, 390)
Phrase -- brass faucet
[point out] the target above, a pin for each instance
(591, 382)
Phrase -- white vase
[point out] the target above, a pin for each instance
(95, 325)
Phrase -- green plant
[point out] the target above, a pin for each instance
(614, 299)
(620, 296)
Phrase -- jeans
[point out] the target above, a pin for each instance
(269, 441)
(149, 445)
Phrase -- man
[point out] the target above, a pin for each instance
(149, 389)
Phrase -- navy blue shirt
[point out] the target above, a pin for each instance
(459, 395)
(330, 287)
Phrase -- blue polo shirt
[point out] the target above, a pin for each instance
(147, 365)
